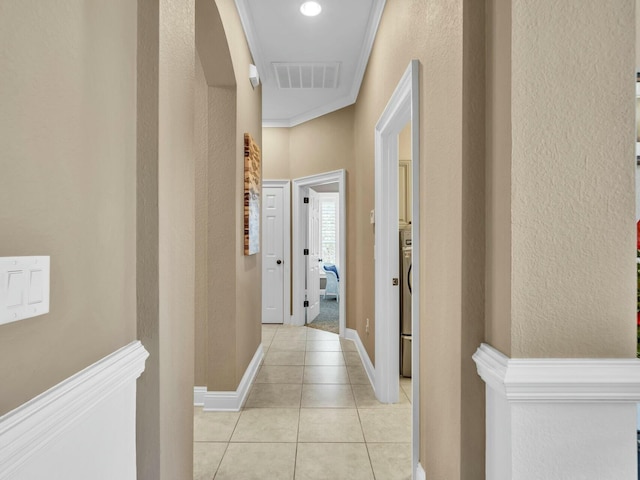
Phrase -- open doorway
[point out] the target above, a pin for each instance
(397, 227)
(329, 267)
(319, 251)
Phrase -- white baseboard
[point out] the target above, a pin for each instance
(420, 475)
(198, 396)
(84, 424)
(578, 414)
(351, 334)
(233, 401)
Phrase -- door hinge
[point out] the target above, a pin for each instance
(305, 251)
(306, 199)
(306, 303)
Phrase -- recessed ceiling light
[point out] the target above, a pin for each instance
(310, 9)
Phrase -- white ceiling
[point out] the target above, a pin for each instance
(278, 33)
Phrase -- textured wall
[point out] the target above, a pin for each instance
(166, 239)
(572, 104)
(201, 145)
(248, 120)
(222, 237)
(498, 176)
(67, 187)
(275, 153)
(322, 145)
(229, 300)
(147, 231)
(637, 36)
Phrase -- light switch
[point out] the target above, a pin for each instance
(36, 283)
(15, 288)
(24, 287)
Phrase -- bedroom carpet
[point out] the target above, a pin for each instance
(327, 319)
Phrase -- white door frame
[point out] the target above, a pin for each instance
(299, 228)
(403, 107)
(285, 185)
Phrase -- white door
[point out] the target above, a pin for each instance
(273, 255)
(313, 259)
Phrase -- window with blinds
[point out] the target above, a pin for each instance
(329, 224)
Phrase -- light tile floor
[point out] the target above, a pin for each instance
(311, 414)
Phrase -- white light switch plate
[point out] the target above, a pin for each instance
(24, 288)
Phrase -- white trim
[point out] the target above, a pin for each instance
(198, 396)
(403, 107)
(248, 26)
(33, 426)
(324, 109)
(367, 45)
(286, 189)
(299, 228)
(602, 380)
(420, 475)
(415, 259)
(234, 400)
(351, 334)
(578, 414)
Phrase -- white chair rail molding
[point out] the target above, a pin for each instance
(84, 427)
(559, 418)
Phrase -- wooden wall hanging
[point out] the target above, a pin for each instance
(252, 189)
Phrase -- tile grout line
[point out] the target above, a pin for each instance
(364, 438)
(220, 462)
(295, 458)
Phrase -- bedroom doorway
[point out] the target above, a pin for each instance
(319, 251)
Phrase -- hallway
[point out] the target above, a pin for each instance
(311, 414)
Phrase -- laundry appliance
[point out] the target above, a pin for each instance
(405, 302)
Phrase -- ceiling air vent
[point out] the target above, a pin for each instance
(307, 75)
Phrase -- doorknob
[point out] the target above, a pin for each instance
(319, 260)
(279, 262)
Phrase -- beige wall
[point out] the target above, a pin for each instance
(201, 145)
(404, 143)
(221, 240)
(68, 187)
(165, 235)
(248, 120)
(320, 145)
(572, 195)
(275, 153)
(498, 176)
(228, 320)
(637, 36)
